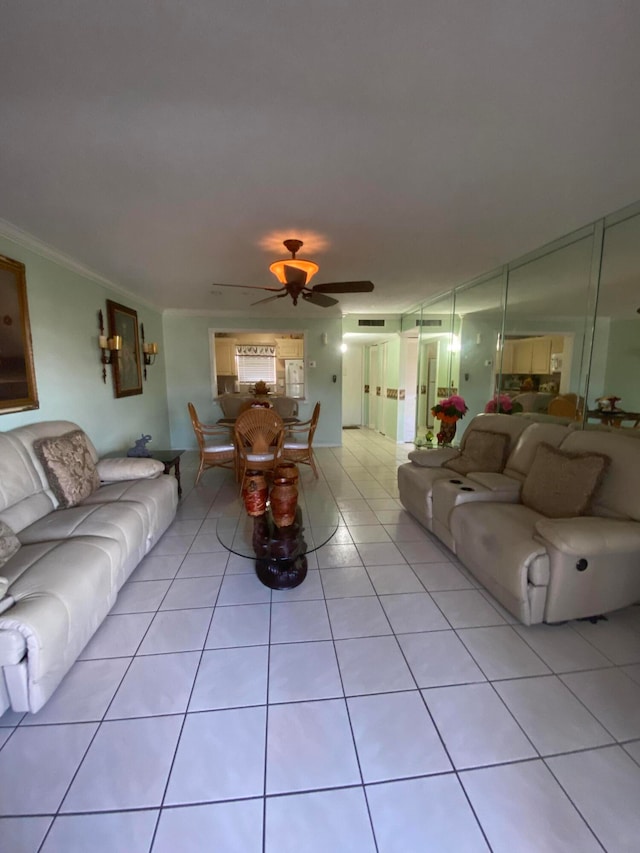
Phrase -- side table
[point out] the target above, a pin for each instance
(170, 459)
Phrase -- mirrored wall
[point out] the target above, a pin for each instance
(555, 333)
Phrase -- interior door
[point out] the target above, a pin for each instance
(373, 385)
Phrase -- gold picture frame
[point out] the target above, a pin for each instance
(127, 374)
(18, 391)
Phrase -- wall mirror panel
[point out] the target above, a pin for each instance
(479, 310)
(615, 370)
(547, 328)
(438, 359)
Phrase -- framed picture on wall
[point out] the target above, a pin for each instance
(127, 375)
(18, 390)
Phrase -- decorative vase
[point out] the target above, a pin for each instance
(284, 499)
(287, 470)
(447, 432)
(254, 493)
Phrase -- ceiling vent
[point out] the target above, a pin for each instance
(428, 322)
(371, 322)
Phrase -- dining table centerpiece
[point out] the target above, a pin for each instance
(448, 412)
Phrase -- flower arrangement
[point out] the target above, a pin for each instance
(450, 410)
(503, 405)
(260, 389)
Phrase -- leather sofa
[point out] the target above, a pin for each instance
(540, 568)
(69, 563)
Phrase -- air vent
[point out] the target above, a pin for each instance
(371, 322)
(428, 322)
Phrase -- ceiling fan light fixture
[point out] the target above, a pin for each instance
(308, 267)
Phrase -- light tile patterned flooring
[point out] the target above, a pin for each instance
(388, 703)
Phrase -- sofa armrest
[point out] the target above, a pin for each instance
(495, 482)
(433, 458)
(590, 535)
(129, 468)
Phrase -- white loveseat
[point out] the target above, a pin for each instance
(65, 575)
(542, 569)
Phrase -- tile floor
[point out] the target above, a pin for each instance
(387, 704)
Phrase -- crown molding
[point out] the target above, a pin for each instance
(45, 250)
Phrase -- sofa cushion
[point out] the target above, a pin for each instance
(9, 544)
(561, 484)
(484, 450)
(70, 470)
(4, 586)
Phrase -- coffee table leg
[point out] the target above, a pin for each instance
(282, 574)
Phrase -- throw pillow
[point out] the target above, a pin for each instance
(70, 470)
(562, 484)
(9, 544)
(484, 450)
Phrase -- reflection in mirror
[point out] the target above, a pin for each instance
(437, 362)
(615, 368)
(547, 328)
(479, 312)
(409, 371)
(17, 375)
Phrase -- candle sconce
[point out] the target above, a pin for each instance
(109, 347)
(149, 351)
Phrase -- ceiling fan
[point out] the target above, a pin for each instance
(295, 275)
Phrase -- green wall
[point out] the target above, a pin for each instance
(623, 365)
(188, 359)
(63, 309)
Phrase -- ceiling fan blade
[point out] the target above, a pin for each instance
(269, 298)
(319, 299)
(246, 286)
(344, 287)
(294, 275)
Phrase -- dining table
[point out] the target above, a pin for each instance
(614, 417)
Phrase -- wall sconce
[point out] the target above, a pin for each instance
(109, 347)
(149, 352)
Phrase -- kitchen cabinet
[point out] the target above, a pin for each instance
(529, 355)
(226, 357)
(541, 355)
(289, 348)
(507, 358)
(522, 355)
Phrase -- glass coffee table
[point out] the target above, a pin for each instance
(280, 553)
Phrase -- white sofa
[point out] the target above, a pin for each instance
(542, 569)
(64, 578)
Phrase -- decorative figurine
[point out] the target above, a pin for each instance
(140, 447)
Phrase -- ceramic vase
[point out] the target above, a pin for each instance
(288, 470)
(446, 433)
(284, 500)
(254, 493)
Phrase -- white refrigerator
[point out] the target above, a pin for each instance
(294, 377)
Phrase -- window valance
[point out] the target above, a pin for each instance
(256, 350)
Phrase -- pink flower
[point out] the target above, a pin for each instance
(457, 401)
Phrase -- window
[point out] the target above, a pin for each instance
(256, 363)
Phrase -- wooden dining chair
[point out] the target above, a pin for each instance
(217, 450)
(298, 441)
(259, 434)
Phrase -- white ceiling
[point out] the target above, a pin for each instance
(169, 145)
